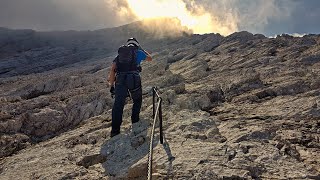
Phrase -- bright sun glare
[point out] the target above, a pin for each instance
(202, 22)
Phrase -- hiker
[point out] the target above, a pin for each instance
(124, 78)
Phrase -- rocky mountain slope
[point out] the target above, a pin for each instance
(238, 107)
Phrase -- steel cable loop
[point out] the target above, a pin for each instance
(151, 140)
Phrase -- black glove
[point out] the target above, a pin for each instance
(139, 68)
(112, 91)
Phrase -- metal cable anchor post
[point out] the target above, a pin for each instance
(157, 112)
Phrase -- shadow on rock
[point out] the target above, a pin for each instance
(171, 158)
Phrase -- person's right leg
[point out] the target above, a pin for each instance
(117, 110)
(136, 94)
(137, 102)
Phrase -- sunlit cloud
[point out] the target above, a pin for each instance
(198, 20)
(201, 16)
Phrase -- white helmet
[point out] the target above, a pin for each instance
(133, 41)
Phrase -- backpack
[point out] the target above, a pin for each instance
(127, 59)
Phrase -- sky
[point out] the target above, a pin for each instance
(267, 17)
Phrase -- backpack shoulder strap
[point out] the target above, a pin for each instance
(134, 55)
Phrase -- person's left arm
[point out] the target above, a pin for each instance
(148, 56)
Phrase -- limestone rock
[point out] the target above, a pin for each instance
(238, 107)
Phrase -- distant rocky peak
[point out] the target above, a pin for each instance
(242, 37)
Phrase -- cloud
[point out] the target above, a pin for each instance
(303, 18)
(254, 16)
(62, 14)
(259, 16)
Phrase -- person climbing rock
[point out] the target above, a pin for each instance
(124, 78)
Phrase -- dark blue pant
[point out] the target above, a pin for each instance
(126, 82)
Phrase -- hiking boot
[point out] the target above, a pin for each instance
(112, 134)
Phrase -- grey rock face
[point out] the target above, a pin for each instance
(237, 107)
